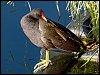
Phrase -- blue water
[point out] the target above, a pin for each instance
(14, 44)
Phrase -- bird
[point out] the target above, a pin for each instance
(46, 33)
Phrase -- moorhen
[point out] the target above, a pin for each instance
(48, 34)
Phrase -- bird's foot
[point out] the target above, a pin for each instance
(41, 65)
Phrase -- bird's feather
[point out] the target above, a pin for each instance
(69, 34)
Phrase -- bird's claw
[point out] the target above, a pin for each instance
(41, 65)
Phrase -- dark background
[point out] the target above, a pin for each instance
(18, 54)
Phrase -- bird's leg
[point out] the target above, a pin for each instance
(43, 64)
(47, 58)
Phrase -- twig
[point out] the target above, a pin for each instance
(29, 5)
(58, 10)
(10, 3)
(89, 59)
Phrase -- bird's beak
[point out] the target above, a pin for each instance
(43, 17)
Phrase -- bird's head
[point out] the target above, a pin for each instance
(38, 13)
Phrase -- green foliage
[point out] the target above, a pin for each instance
(77, 7)
(89, 68)
(93, 7)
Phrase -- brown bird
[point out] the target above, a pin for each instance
(48, 34)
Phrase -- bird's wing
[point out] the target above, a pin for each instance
(60, 28)
(66, 33)
(61, 32)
